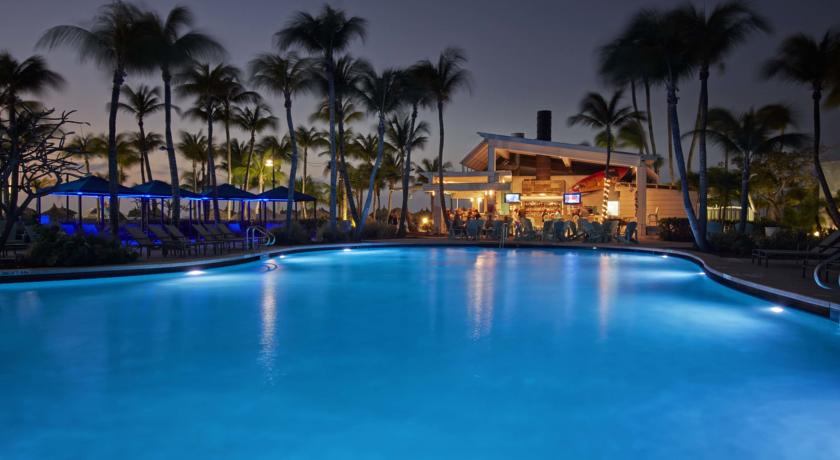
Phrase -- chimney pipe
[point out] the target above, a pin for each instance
(544, 125)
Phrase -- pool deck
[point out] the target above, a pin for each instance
(782, 282)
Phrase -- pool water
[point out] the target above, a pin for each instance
(416, 353)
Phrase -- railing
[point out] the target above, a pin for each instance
(503, 235)
(819, 268)
(256, 234)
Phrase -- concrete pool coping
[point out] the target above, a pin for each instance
(806, 303)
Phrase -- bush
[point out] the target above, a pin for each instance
(787, 239)
(297, 234)
(327, 235)
(732, 243)
(54, 248)
(378, 231)
(675, 229)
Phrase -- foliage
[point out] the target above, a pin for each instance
(378, 231)
(54, 248)
(731, 243)
(328, 234)
(675, 229)
(787, 239)
(296, 234)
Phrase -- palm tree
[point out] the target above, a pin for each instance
(114, 42)
(749, 135)
(380, 94)
(142, 102)
(175, 49)
(194, 148)
(306, 139)
(231, 94)
(254, 121)
(81, 146)
(286, 75)
(427, 166)
(443, 79)
(416, 95)
(144, 140)
(327, 34)
(804, 60)
(207, 85)
(713, 37)
(596, 112)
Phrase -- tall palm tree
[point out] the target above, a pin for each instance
(253, 120)
(328, 33)
(207, 85)
(231, 94)
(444, 79)
(30, 76)
(193, 146)
(127, 155)
(807, 61)
(427, 166)
(596, 112)
(713, 37)
(752, 134)
(175, 48)
(140, 141)
(286, 75)
(142, 102)
(114, 42)
(380, 94)
(81, 146)
(307, 139)
(416, 95)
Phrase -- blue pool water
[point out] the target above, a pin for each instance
(416, 353)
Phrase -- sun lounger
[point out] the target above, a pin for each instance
(826, 248)
(143, 241)
(213, 240)
(168, 241)
(227, 235)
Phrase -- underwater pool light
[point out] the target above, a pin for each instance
(347, 249)
(195, 273)
(777, 310)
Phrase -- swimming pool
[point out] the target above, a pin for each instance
(416, 353)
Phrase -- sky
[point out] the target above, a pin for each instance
(524, 56)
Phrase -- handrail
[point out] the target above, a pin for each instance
(251, 237)
(820, 266)
(503, 235)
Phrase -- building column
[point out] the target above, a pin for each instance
(437, 215)
(641, 198)
(491, 162)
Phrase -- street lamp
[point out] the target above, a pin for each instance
(270, 163)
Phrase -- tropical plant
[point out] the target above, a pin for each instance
(308, 139)
(142, 102)
(328, 33)
(405, 135)
(145, 141)
(81, 146)
(233, 93)
(193, 146)
(174, 48)
(749, 135)
(286, 75)
(443, 79)
(253, 120)
(807, 61)
(115, 42)
(596, 112)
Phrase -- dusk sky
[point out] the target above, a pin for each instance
(524, 56)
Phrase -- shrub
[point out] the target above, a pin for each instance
(787, 239)
(378, 230)
(297, 234)
(327, 235)
(731, 243)
(675, 229)
(54, 248)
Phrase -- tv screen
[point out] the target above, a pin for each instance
(512, 198)
(571, 198)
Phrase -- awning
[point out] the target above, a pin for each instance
(282, 194)
(89, 186)
(227, 192)
(160, 189)
(595, 181)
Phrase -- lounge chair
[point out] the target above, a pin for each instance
(143, 241)
(629, 234)
(168, 241)
(228, 235)
(213, 240)
(826, 248)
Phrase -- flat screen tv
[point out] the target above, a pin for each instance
(512, 198)
(571, 198)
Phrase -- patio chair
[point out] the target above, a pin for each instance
(527, 231)
(592, 231)
(629, 234)
(572, 232)
(169, 242)
(457, 229)
(496, 231)
(547, 231)
(143, 241)
(825, 248)
(653, 219)
(610, 229)
(474, 228)
(560, 228)
(228, 235)
(215, 241)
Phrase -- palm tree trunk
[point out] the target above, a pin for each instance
(440, 169)
(671, 146)
(703, 122)
(649, 117)
(229, 156)
(745, 193)
(303, 181)
(673, 116)
(333, 165)
(380, 149)
(345, 177)
(211, 165)
(144, 158)
(830, 204)
(113, 173)
(638, 121)
(607, 183)
(694, 136)
(293, 166)
(170, 149)
(401, 230)
(246, 182)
